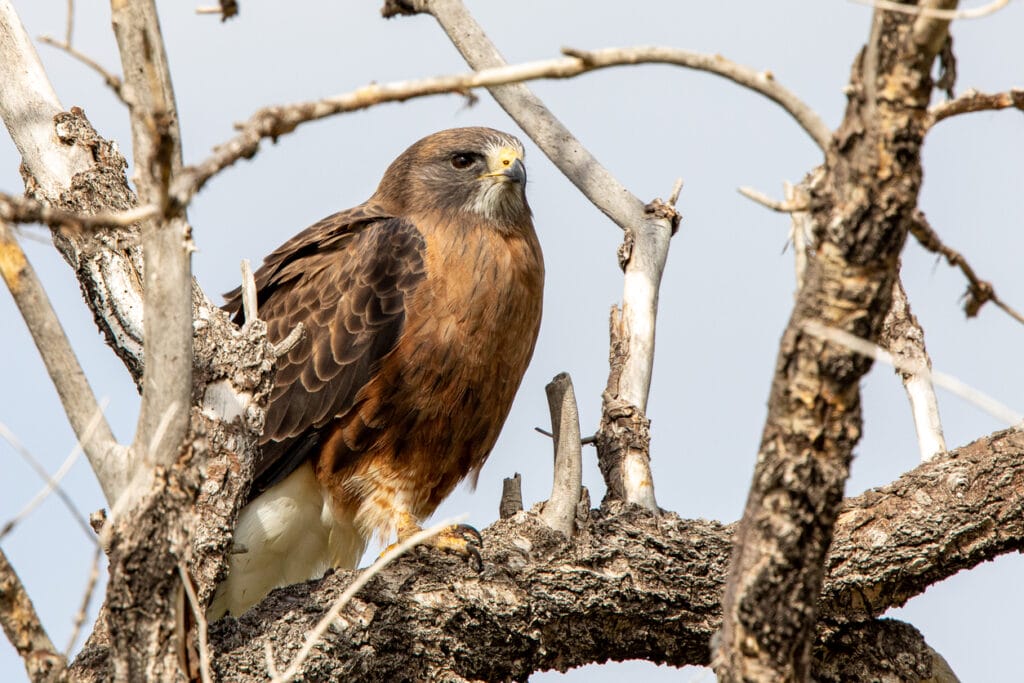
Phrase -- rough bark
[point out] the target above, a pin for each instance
(862, 209)
(628, 586)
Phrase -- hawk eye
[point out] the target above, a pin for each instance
(461, 160)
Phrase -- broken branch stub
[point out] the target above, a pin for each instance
(560, 511)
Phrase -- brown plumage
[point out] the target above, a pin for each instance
(421, 309)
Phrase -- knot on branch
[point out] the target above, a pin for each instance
(394, 8)
(979, 292)
(660, 209)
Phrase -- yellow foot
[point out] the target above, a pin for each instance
(460, 539)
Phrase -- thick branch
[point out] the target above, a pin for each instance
(29, 104)
(167, 382)
(21, 624)
(106, 457)
(862, 209)
(628, 585)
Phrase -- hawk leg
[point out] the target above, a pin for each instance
(460, 539)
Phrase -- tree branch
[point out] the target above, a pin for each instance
(903, 336)
(973, 101)
(560, 510)
(20, 622)
(628, 586)
(28, 105)
(276, 121)
(166, 242)
(861, 211)
(106, 456)
(979, 291)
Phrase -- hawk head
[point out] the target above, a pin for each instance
(474, 171)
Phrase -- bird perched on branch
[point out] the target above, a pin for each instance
(421, 309)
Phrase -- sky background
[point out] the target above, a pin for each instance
(728, 286)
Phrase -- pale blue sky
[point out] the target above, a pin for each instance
(728, 285)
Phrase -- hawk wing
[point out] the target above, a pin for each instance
(347, 279)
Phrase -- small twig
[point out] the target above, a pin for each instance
(801, 231)
(226, 9)
(69, 29)
(332, 614)
(948, 14)
(990, 405)
(773, 204)
(273, 122)
(112, 81)
(673, 196)
(585, 441)
(979, 291)
(25, 210)
(201, 626)
(559, 512)
(973, 101)
(83, 608)
(52, 483)
(21, 623)
(289, 342)
(249, 301)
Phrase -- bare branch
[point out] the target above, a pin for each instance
(202, 627)
(972, 101)
(289, 342)
(762, 82)
(865, 348)
(28, 105)
(273, 122)
(114, 82)
(934, 12)
(903, 336)
(106, 457)
(773, 204)
(249, 300)
(52, 483)
(83, 608)
(69, 29)
(27, 210)
(801, 230)
(560, 510)
(21, 624)
(226, 9)
(166, 243)
(332, 615)
(930, 28)
(979, 291)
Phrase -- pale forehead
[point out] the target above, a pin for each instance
(496, 142)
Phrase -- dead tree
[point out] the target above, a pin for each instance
(792, 591)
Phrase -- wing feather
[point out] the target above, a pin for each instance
(347, 279)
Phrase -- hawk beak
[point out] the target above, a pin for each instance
(516, 172)
(507, 164)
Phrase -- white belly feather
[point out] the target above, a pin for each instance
(291, 533)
